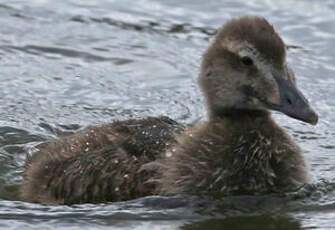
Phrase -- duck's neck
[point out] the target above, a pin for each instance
(240, 114)
(242, 121)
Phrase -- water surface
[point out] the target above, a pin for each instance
(68, 64)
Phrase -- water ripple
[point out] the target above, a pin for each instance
(65, 52)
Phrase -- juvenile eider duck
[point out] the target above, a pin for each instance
(239, 150)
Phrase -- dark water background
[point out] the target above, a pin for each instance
(68, 64)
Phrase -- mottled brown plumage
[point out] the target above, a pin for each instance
(98, 164)
(241, 154)
(239, 150)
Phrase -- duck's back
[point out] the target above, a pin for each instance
(98, 164)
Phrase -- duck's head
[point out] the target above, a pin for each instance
(245, 68)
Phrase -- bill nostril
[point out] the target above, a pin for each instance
(289, 101)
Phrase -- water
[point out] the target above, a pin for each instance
(68, 64)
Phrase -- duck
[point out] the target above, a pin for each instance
(239, 150)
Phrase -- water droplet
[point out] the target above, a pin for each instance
(168, 154)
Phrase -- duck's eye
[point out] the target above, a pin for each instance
(247, 60)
